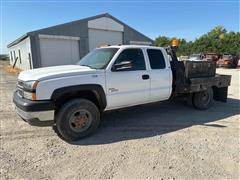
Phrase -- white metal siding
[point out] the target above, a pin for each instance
(25, 49)
(99, 37)
(105, 23)
(147, 43)
(58, 51)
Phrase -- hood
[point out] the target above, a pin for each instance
(54, 72)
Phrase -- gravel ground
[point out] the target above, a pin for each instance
(162, 140)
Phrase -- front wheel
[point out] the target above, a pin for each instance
(203, 100)
(76, 119)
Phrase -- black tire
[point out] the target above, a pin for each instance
(67, 119)
(203, 100)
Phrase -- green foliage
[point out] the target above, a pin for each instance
(162, 41)
(218, 40)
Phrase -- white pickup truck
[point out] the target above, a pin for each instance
(73, 97)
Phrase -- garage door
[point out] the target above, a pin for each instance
(99, 37)
(58, 50)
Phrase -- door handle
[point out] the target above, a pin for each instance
(145, 76)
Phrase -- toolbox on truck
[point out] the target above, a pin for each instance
(196, 69)
(198, 76)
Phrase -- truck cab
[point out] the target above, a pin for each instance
(137, 75)
(73, 97)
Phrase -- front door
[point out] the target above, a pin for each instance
(131, 86)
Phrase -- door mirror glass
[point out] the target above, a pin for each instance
(122, 66)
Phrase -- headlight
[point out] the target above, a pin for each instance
(29, 90)
(30, 85)
(28, 95)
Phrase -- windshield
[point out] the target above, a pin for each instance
(226, 56)
(195, 56)
(211, 56)
(98, 58)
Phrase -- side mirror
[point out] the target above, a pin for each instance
(123, 66)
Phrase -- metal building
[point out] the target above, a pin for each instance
(67, 43)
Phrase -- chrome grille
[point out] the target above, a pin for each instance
(20, 88)
(20, 84)
(20, 92)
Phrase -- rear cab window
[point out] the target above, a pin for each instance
(156, 59)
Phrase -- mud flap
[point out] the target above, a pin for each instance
(220, 94)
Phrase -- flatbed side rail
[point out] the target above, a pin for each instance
(200, 84)
(219, 83)
(203, 83)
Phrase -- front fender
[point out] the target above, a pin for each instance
(95, 88)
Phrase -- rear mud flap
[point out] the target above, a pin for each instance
(220, 94)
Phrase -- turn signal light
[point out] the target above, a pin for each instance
(34, 96)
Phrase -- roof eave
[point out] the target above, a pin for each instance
(18, 40)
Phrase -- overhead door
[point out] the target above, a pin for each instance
(98, 37)
(58, 50)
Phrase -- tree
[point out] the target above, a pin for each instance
(162, 41)
(218, 40)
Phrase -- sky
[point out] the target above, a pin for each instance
(187, 19)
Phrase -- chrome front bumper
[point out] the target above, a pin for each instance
(40, 115)
(34, 112)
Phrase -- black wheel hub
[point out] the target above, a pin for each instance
(205, 98)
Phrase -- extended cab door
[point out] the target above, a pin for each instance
(160, 73)
(130, 86)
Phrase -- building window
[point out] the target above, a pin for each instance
(14, 55)
(30, 60)
(19, 55)
(156, 59)
(11, 56)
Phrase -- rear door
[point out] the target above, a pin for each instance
(161, 75)
(128, 87)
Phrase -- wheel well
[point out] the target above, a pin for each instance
(85, 94)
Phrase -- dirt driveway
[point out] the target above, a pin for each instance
(163, 140)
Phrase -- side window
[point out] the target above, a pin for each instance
(135, 56)
(156, 59)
